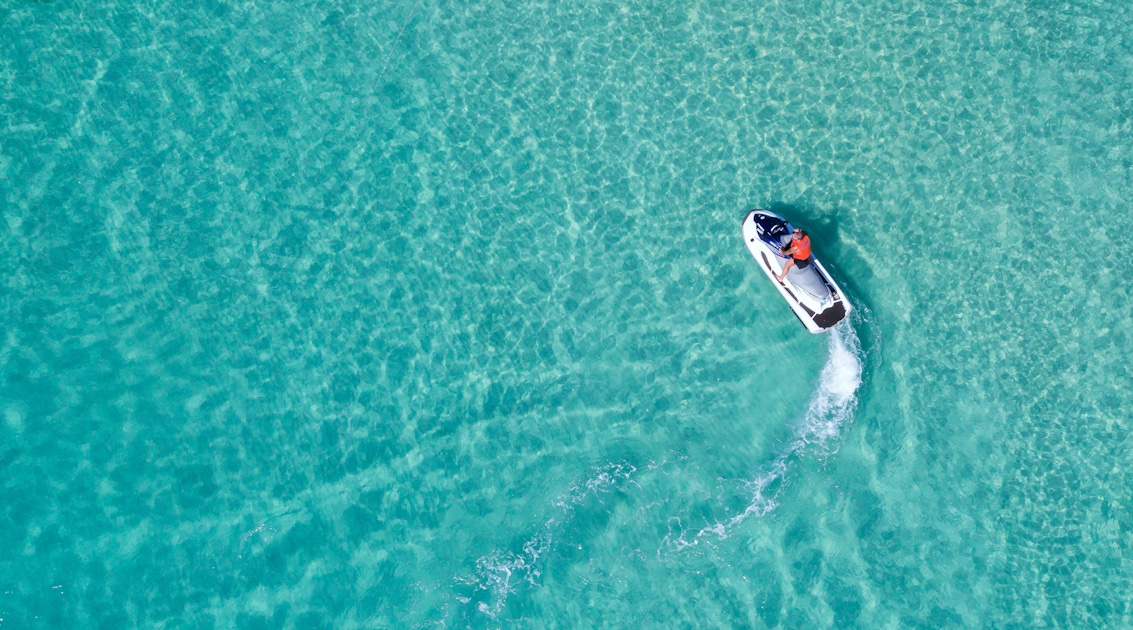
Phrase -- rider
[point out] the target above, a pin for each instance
(799, 250)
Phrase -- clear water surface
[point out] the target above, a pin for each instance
(357, 315)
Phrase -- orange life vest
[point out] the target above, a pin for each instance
(802, 249)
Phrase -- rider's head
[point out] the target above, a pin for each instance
(799, 234)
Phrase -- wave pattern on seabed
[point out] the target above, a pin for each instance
(349, 315)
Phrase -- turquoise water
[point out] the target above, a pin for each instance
(351, 315)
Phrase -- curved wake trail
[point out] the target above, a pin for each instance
(501, 573)
(835, 398)
(830, 408)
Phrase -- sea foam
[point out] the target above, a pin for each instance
(830, 408)
(500, 573)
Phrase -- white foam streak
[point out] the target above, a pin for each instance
(835, 398)
(500, 573)
(496, 571)
(830, 408)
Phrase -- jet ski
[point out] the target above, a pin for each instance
(811, 292)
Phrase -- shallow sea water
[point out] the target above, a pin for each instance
(352, 315)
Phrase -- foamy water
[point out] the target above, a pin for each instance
(834, 400)
(502, 572)
(830, 408)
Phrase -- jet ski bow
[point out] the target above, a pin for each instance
(811, 293)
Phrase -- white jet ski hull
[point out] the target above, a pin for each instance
(811, 293)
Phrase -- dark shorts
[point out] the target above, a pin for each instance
(802, 263)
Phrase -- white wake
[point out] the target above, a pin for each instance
(500, 573)
(831, 407)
